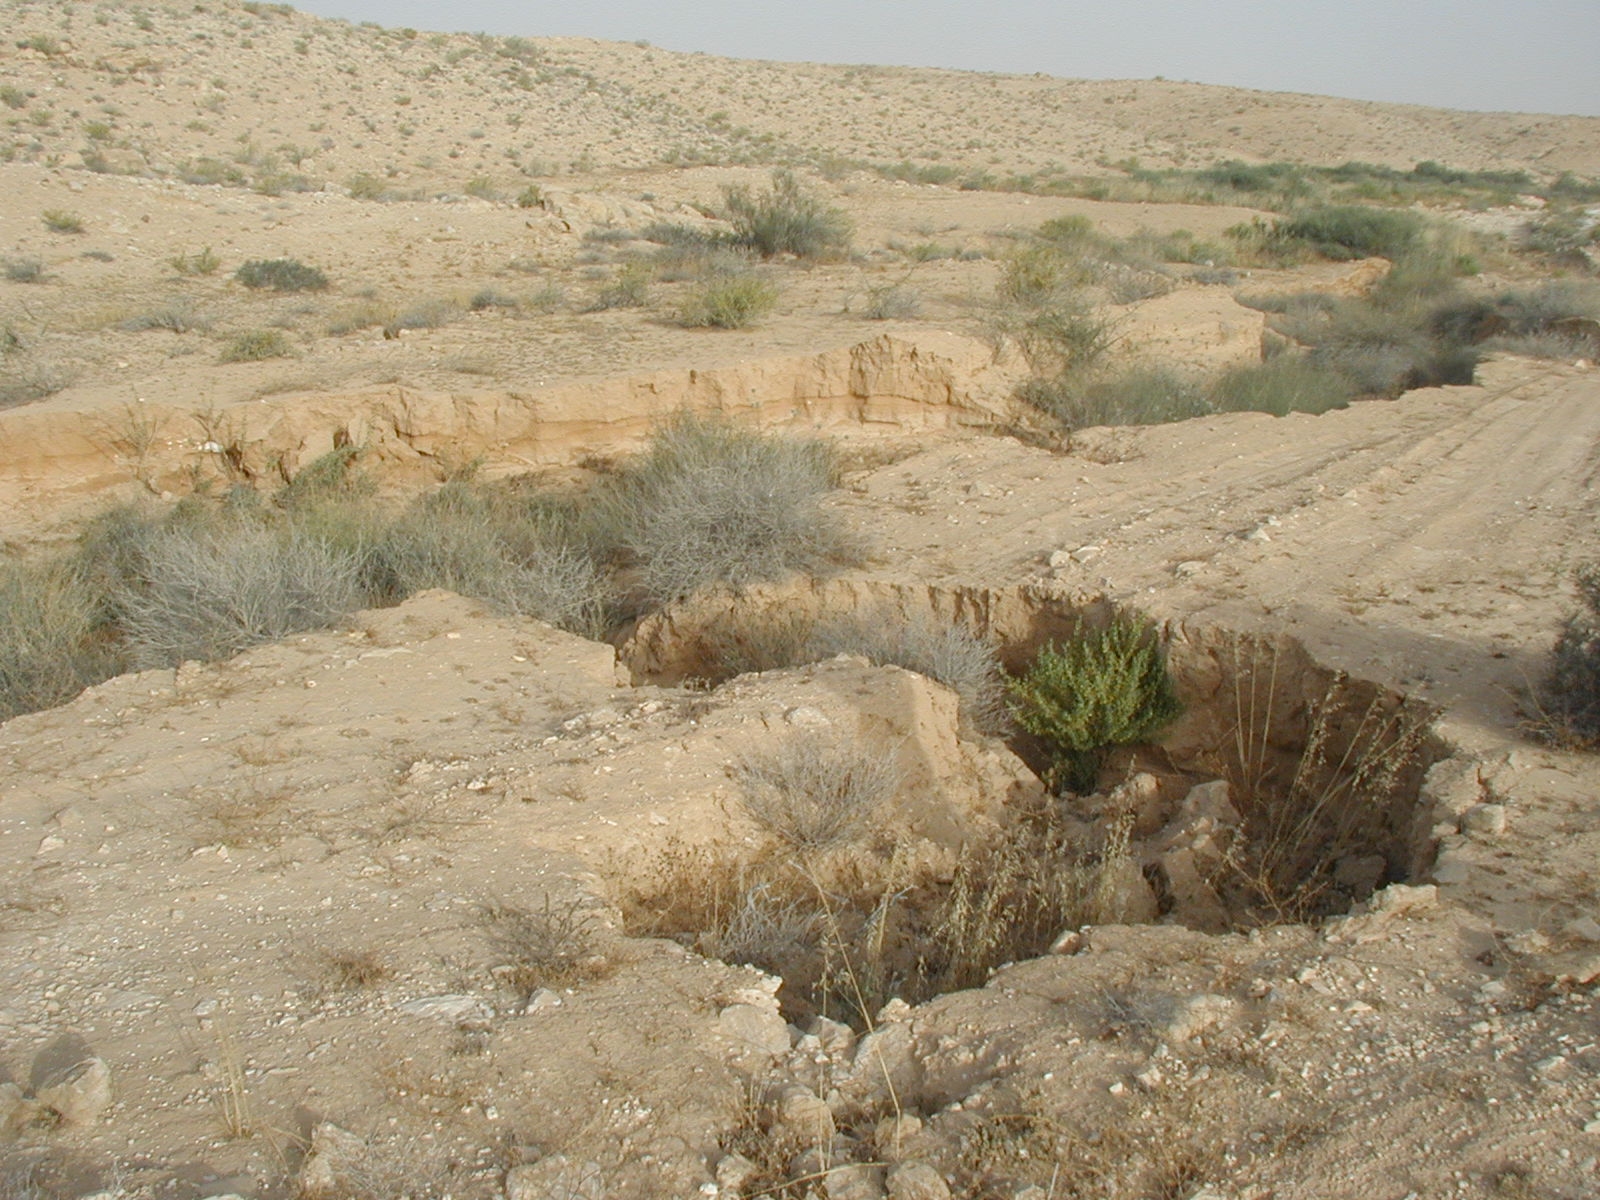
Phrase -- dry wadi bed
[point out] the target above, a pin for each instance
(356, 914)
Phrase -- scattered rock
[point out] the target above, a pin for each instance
(801, 1116)
(80, 1094)
(917, 1181)
(1396, 900)
(555, 1178)
(834, 1038)
(760, 1027)
(1360, 874)
(15, 1110)
(455, 1009)
(885, 1065)
(1484, 822)
(542, 998)
(334, 1151)
(1194, 1016)
(855, 1181)
(1195, 903)
(734, 1171)
(1585, 928)
(894, 1132)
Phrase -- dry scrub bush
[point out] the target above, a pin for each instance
(211, 594)
(786, 219)
(550, 946)
(709, 502)
(892, 302)
(49, 650)
(1011, 898)
(180, 315)
(814, 793)
(728, 301)
(1567, 699)
(848, 932)
(1317, 784)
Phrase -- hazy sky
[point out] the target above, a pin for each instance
(1527, 55)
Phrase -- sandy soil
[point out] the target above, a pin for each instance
(264, 922)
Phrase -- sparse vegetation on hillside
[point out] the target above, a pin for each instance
(707, 502)
(733, 300)
(281, 275)
(786, 219)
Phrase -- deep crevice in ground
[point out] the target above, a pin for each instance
(1287, 791)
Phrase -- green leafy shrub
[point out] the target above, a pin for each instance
(281, 275)
(255, 345)
(1066, 337)
(1568, 697)
(59, 220)
(786, 219)
(629, 288)
(1104, 688)
(728, 301)
(1352, 231)
(202, 263)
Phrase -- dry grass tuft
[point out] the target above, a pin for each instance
(551, 946)
(814, 793)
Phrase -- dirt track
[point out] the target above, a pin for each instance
(1424, 542)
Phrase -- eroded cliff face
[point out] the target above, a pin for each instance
(49, 458)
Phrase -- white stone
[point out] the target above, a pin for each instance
(453, 1008)
(1485, 821)
(760, 1027)
(80, 1094)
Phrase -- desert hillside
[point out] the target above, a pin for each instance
(584, 622)
(261, 93)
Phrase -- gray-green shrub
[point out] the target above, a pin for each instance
(1284, 384)
(1567, 699)
(728, 301)
(786, 219)
(711, 502)
(49, 651)
(211, 592)
(281, 275)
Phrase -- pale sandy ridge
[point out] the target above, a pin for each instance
(280, 95)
